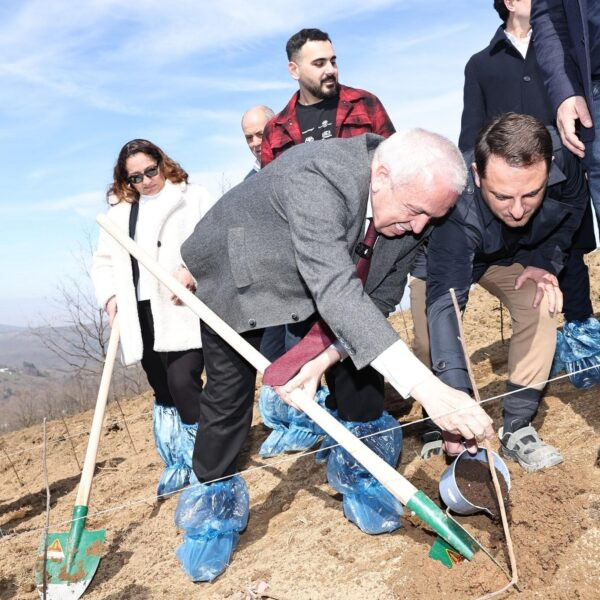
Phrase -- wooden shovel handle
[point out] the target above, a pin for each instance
(395, 483)
(89, 464)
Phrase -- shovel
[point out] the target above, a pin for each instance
(67, 567)
(404, 491)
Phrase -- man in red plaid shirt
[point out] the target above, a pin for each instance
(322, 108)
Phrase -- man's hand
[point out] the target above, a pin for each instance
(546, 283)
(111, 309)
(185, 278)
(568, 112)
(455, 412)
(454, 444)
(308, 378)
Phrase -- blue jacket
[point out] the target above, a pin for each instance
(499, 80)
(561, 36)
(471, 239)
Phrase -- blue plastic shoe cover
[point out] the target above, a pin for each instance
(579, 348)
(212, 518)
(172, 440)
(186, 450)
(293, 431)
(366, 502)
(558, 366)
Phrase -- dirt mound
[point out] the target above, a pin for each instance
(298, 541)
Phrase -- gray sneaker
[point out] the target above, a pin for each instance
(527, 448)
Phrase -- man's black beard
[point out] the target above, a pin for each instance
(318, 92)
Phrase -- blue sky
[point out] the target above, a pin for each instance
(79, 79)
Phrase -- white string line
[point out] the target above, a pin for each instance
(84, 430)
(13, 534)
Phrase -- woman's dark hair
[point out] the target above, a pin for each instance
(295, 43)
(501, 10)
(521, 140)
(121, 188)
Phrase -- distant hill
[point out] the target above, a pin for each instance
(22, 344)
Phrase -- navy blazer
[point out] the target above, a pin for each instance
(561, 36)
(499, 80)
(471, 239)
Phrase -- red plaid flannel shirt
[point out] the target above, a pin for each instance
(358, 112)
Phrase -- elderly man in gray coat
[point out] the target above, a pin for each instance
(281, 248)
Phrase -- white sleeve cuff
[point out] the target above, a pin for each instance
(401, 368)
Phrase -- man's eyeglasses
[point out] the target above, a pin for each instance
(150, 172)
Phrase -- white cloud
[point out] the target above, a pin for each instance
(95, 54)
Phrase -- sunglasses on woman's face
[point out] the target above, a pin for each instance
(150, 172)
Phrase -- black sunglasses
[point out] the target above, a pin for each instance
(150, 172)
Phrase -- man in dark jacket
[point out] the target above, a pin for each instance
(505, 76)
(509, 232)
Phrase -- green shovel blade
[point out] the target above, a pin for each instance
(448, 529)
(443, 552)
(71, 560)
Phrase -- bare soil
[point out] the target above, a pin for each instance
(298, 541)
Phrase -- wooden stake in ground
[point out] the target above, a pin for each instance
(13, 466)
(124, 422)
(72, 444)
(47, 523)
(490, 457)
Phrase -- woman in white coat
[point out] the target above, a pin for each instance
(151, 199)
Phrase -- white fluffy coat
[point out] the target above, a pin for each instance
(175, 327)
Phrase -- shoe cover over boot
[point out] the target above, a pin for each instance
(366, 502)
(212, 518)
(170, 440)
(186, 450)
(577, 348)
(293, 431)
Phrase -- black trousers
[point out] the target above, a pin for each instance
(228, 399)
(272, 345)
(574, 283)
(175, 377)
(225, 406)
(357, 395)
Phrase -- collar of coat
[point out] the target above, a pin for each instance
(348, 96)
(170, 197)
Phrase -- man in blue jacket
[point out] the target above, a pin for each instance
(509, 232)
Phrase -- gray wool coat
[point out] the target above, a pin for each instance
(280, 246)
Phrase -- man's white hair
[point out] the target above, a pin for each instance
(417, 155)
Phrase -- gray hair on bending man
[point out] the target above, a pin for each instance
(419, 155)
